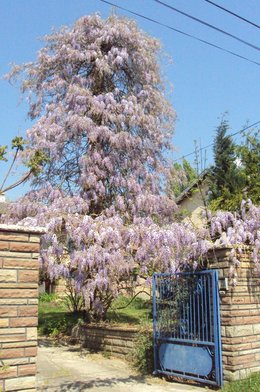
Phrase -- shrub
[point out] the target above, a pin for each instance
(143, 353)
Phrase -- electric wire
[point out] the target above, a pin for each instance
(233, 13)
(180, 32)
(211, 144)
(206, 24)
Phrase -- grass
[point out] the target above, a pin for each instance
(55, 318)
(250, 384)
(139, 311)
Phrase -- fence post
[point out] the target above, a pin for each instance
(240, 315)
(19, 270)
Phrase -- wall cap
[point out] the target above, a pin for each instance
(23, 229)
(110, 327)
(230, 247)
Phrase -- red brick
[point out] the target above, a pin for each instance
(240, 360)
(10, 311)
(21, 263)
(24, 247)
(12, 353)
(28, 310)
(28, 276)
(27, 370)
(23, 322)
(7, 236)
(12, 338)
(8, 372)
(4, 245)
(16, 293)
(30, 352)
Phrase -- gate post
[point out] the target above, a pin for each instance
(19, 269)
(240, 315)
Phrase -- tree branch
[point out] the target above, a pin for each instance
(123, 307)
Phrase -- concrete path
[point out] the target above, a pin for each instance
(67, 368)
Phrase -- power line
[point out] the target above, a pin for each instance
(233, 13)
(181, 32)
(207, 24)
(211, 144)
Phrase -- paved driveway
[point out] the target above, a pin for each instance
(67, 368)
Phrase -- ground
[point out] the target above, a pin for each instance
(69, 368)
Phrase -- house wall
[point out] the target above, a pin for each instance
(194, 205)
(19, 267)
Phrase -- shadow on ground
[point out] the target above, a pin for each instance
(97, 383)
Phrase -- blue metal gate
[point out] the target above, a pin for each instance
(187, 338)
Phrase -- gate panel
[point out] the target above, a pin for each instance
(187, 339)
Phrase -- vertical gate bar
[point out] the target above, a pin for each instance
(206, 308)
(177, 309)
(181, 309)
(184, 318)
(217, 329)
(190, 321)
(198, 306)
(174, 307)
(169, 307)
(171, 302)
(177, 288)
(187, 308)
(210, 304)
(202, 308)
(194, 313)
(184, 308)
(154, 281)
(159, 308)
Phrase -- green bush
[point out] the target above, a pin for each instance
(54, 327)
(142, 356)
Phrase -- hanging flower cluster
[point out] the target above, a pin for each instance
(239, 230)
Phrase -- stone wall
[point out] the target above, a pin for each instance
(240, 316)
(19, 268)
(117, 341)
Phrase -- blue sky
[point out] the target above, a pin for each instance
(206, 82)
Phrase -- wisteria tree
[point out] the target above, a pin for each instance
(103, 125)
(103, 122)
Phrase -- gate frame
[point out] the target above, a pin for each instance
(217, 329)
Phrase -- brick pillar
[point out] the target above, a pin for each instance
(240, 316)
(19, 269)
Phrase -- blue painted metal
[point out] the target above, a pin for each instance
(186, 319)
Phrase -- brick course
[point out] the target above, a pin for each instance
(19, 266)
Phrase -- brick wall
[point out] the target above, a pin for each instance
(240, 317)
(117, 341)
(19, 268)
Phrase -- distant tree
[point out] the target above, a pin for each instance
(226, 180)
(33, 164)
(249, 154)
(181, 177)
